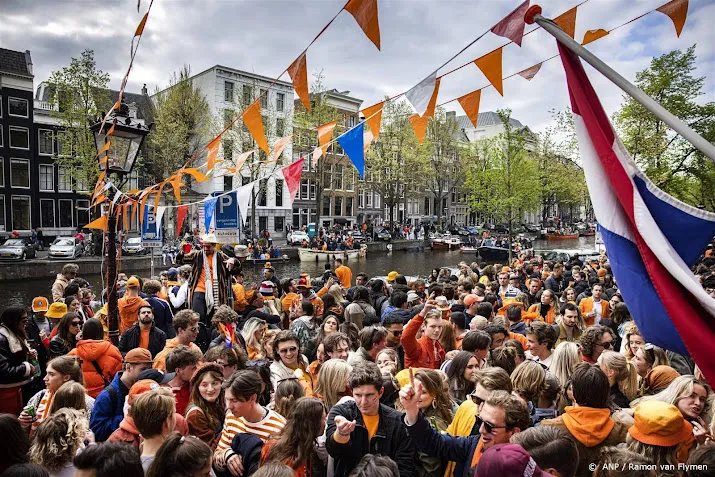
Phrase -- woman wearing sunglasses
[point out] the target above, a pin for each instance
(66, 339)
(290, 362)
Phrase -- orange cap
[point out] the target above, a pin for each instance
(40, 303)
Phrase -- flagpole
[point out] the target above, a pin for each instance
(533, 15)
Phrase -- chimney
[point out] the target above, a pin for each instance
(144, 90)
(28, 60)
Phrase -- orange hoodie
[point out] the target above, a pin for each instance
(129, 311)
(589, 425)
(107, 357)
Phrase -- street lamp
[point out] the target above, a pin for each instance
(126, 141)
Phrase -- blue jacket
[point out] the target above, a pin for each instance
(108, 409)
(458, 449)
(519, 327)
(163, 317)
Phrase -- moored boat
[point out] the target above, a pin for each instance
(561, 236)
(309, 255)
(255, 261)
(491, 253)
(469, 249)
(447, 242)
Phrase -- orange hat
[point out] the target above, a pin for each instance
(138, 355)
(304, 281)
(602, 272)
(40, 303)
(659, 424)
(471, 298)
(56, 311)
(392, 276)
(133, 282)
(141, 387)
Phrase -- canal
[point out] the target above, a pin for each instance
(414, 263)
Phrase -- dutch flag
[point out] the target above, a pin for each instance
(651, 238)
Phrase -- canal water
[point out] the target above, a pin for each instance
(413, 263)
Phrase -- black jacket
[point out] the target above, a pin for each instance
(33, 338)
(13, 371)
(130, 340)
(163, 317)
(391, 440)
(59, 347)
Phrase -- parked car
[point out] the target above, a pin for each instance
(133, 246)
(17, 249)
(295, 237)
(66, 247)
(357, 235)
(383, 234)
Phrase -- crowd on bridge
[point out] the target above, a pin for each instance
(531, 368)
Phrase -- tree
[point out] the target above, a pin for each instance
(671, 162)
(79, 95)
(502, 181)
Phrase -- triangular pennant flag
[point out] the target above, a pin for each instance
(530, 72)
(176, 183)
(491, 66)
(567, 22)
(125, 216)
(242, 159)
(470, 105)
(367, 139)
(317, 154)
(292, 174)
(421, 94)
(677, 10)
(111, 130)
(99, 199)
(373, 116)
(159, 216)
(117, 196)
(244, 194)
(429, 112)
(325, 133)
(512, 26)
(352, 144)
(419, 124)
(134, 213)
(140, 28)
(280, 145)
(196, 174)
(298, 72)
(209, 209)
(99, 224)
(254, 123)
(105, 148)
(180, 216)
(142, 208)
(158, 194)
(213, 151)
(593, 35)
(365, 14)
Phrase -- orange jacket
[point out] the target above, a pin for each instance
(106, 355)
(586, 306)
(129, 311)
(345, 275)
(423, 352)
(535, 315)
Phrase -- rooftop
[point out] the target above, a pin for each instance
(16, 62)
(487, 118)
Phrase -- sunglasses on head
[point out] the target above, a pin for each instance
(489, 428)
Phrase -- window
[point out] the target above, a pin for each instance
(17, 107)
(20, 173)
(313, 191)
(45, 142)
(81, 186)
(264, 98)
(303, 189)
(47, 213)
(262, 222)
(296, 217)
(247, 95)
(351, 121)
(349, 179)
(228, 149)
(83, 212)
(265, 120)
(47, 178)
(262, 193)
(361, 200)
(66, 213)
(20, 212)
(326, 205)
(228, 115)
(280, 127)
(279, 193)
(245, 180)
(3, 228)
(227, 183)
(306, 162)
(280, 101)
(2, 172)
(348, 206)
(19, 137)
(1, 143)
(427, 201)
(227, 91)
(64, 180)
(338, 177)
(368, 199)
(338, 206)
(278, 224)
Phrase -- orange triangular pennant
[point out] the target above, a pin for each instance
(198, 175)
(530, 72)
(254, 123)
(593, 35)
(105, 148)
(111, 130)
(429, 112)
(213, 151)
(280, 145)
(158, 194)
(490, 65)
(140, 28)
(419, 124)
(99, 224)
(325, 133)
(470, 105)
(373, 116)
(298, 72)
(176, 183)
(567, 22)
(677, 10)
(134, 214)
(365, 14)
(125, 216)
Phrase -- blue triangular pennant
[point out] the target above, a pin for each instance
(353, 144)
(209, 208)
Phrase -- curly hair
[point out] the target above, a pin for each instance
(592, 337)
(57, 439)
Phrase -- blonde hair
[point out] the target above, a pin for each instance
(249, 331)
(564, 360)
(151, 409)
(57, 439)
(337, 292)
(626, 374)
(70, 395)
(660, 457)
(529, 380)
(332, 380)
(682, 387)
(288, 391)
(631, 330)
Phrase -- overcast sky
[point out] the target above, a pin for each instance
(265, 36)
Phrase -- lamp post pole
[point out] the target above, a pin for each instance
(112, 298)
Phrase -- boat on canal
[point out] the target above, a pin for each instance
(447, 242)
(559, 236)
(310, 255)
(260, 261)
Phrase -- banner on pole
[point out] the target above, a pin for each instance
(151, 228)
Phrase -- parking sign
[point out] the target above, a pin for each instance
(151, 227)
(227, 217)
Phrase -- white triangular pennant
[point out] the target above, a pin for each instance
(243, 197)
(421, 93)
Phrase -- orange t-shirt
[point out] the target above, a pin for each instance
(201, 284)
(371, 424)
(144, 339)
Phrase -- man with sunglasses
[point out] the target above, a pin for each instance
(594, 341)
(501, 415)
(395, 326)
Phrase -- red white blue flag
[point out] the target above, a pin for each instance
(652, 239)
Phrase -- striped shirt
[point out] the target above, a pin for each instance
(42, 410)
(269, 426)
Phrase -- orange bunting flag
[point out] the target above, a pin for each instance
(419, 124)
(593, 35)
(99, 199)
(512, 26)
(111, 130)
(140, 28)
(117, 104)
(103, 161)
(254, 123)
(677, 10)
(101, 223)
(365, 14)
(429, 112)
(367, 139)
(490, 64)
(176, 183)
(298, 72)
(373, 116)
(106, 147)
(325, 133)
(242, 159)
(567, 22)
(135, 206)
(470, 105)
(197, 174)
(280, 145)
(125, 216)
(213, 151)
(529, 73)
(158, 194)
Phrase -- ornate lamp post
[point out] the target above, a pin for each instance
(126, 141)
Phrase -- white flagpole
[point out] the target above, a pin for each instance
(533, 15)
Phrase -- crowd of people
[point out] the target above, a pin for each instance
(527, 369)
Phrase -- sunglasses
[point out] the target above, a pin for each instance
(76, 323)
(260, 363)
(292, 349)
(396, 333)
(489, 428)
(607, 345)
(476, 399)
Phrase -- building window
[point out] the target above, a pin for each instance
(19, 137)
(361, 200)
(82, 212)
(279, 194)
(3, 228)
(368, 199)
(303, 189)
(280, 101)
(1, 143)
(296, 217)
(306, 162)
(326, 205)
(262, 222)
(227, 91)
(313, 191)
(47, 178)
(338, 206)
(64, 180)
(227, 183)
(349, 179)
(2, 171)
(20, 212)
(18, 107)
(264, 98)
(280, 127)
(262, 193)
(228, 149)
(228, 116)
(351, 121)
(45, 142)
(47, 213)
(81, 186)
(66, 213)
(245, 180)
(247, 95)
(20, 173)
(278, 224)
(338, 177)
(348, 206)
